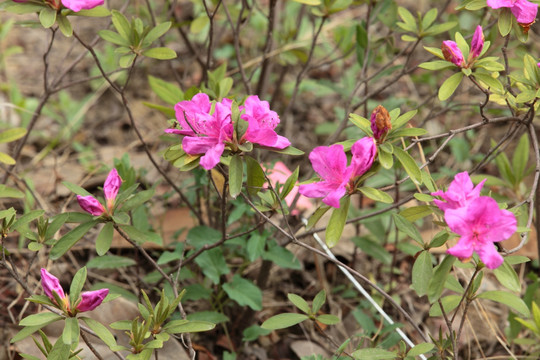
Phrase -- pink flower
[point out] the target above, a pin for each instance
(477, 43)
(480, 224)
(78, 5)
(459, 194)
(452, 53)
(92, 205)
(89, 299)
(524, 11)
(279, 175)
(262, 122)
(330, 162)
(205, 133)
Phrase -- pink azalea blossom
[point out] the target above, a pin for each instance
(452, 53)
(477, 43)
(380, 123)
(279, 175)
(480, 224)
(262, 122)
(205, 133)
(92, 205)
(524, 11)
(89, 299)
(459, 194)
(78, 5)
(330, 162)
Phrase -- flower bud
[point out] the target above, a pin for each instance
(112, 184)
(50, 283)
(91, 205)
(452, 53)
(92, 299)
(477, 43)
(380, 122)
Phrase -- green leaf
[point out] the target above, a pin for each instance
(122, 25)
(376, 194)
(319, 301)
(6, 159)
(208, 316)
(421, 273)
(402, 120)
(299, 302)
(429, 18)
(408, 164)
(47, 17)
(435, 51)
(12, 135)
(328, 319)
(138, 199)
(126, 60)
(199, 24)
(440, 28)
(508, 277)
(405, 226)
(290, 183)
(141, 237)
(168, 92)
(282, 258)
(253, 332)
(71, 332)
(289, 150)
(40, 319)
(416, 212)
(410, 132)
(505, 21)
(283, 321)
(75, 188)
(101, 331)
(421, 348)
(255, 176)
(77, 284)
(104, 239)
(157, 32)
(236, 174)
(492, 83)
(408, 19)
(449, 303)
(385, 158)
(337, 222)
(316, 216)
(436, 284)
(64, 25)
(8, 192)
(98, 11)
(449, 86)
(373, 354)
(521, 157)
(362, 123)
(436, 65)
(213, 264)
(160, 53)
(110, 262)
(68, 240)
(187, 326)
(26, 218)
(113, 37)
(244, 292)
(309, 2)
(508, 299)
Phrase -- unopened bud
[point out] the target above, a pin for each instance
(452, 53)
(380, 122)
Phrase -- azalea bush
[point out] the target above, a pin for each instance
(369, 166)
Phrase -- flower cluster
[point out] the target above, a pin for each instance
(452, 52)
(75, 5)
(89, 300)
(208, 128)
(92, 205)
(477, 219)
(524, 11)
(338, 179)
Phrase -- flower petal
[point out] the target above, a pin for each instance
(459, 221)
(496, 4)
(463, 249)
(477, 43)
(452, 53)
(212, 156)
(330, 162)
(524, 11)
(78, 5)
(92, 299)
(50, 283)
(363, 151)
(489, 256)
